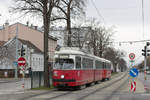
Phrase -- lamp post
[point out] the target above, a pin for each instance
(31, 74)
(16, 68)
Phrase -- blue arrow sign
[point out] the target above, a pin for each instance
(133, 72)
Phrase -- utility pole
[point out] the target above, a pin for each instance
(16, 69)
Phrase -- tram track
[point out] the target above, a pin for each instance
(115, 91)
(100, 89)
(87, 95)
(72, 92)
(31, 96)
(64, 94)
(47, 92)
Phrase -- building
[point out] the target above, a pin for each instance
(33, 41)
(34, 57)
(29, 33)
(79, 36)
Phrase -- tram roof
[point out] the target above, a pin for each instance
(102, 59)
(70, 50)
(77, 51)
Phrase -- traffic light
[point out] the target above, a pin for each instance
(22, 51)
(148, 52)
(19, 52)
(144, 51)
(147, 43)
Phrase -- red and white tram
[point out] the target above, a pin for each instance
(73, 68)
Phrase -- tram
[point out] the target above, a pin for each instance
(75, 68)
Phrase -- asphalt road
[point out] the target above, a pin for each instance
(12, 86)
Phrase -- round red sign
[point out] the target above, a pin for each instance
(131, 56)
(21, 61)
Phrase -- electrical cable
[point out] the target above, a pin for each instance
(98, 12)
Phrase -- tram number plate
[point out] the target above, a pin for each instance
(62, 84)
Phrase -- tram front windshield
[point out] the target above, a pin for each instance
(64, 64)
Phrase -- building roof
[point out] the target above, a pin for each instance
(33, 28)
(30, 45)
(2, 43)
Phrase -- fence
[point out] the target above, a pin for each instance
(37, 79)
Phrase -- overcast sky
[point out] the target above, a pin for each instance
(126, 15)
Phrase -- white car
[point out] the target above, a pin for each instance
(147, 72)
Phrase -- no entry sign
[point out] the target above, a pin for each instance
(21, 61)
(131, 56)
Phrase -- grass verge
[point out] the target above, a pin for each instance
(43, 88)
(114, 73)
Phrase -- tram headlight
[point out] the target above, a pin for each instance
(62, 76)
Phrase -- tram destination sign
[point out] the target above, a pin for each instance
(64, 56)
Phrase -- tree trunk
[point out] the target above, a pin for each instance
(69, 43)
(46, 22)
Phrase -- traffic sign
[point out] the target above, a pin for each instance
(21, 61)
(133, 86)
(133, 72)
(131, 56)
(15, 63)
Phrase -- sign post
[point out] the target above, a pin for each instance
(133, 73)
(22, 63)
(132, 57)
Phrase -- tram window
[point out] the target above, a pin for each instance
(64, 64)
(104, 65)
(107, 65)
(78, 62)
(99, 65)
(87, 63)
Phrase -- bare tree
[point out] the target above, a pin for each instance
(113, 55)
(7, 55)
(99, 39)
(69, 9)
(122, 65)
(104, 39)
(43, 8)
(79, 36)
